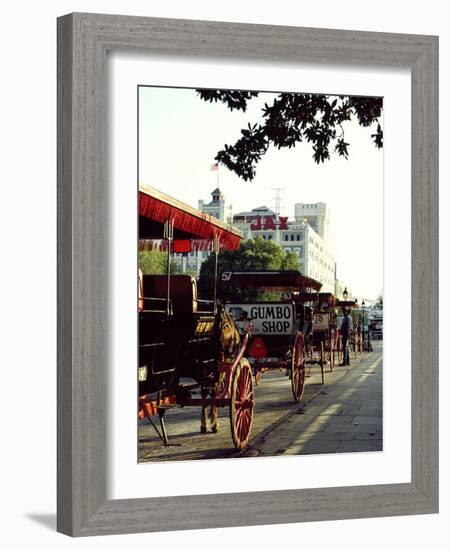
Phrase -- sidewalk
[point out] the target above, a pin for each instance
(345, 416)
(280, 425)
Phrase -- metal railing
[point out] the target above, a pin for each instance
(162, 302)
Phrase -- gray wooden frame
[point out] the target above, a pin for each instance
(83, 40)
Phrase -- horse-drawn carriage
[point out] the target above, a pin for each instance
(323, 340)
(280, 327)
(356, 339)
(190, 352)
(375, 329)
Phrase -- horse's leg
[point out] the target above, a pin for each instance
(214, 417)
(203, 418)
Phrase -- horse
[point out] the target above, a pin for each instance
(229, 342)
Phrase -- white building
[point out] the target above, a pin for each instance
(317, 215)
(308, 237)
(217, 207)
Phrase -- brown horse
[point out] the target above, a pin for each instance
(229, 342)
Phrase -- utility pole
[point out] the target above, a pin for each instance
(278, 200)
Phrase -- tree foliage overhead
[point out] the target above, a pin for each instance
(291, 119)
(255, 254)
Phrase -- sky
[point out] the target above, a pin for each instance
(179, 136)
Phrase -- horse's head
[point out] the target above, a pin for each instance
(228, 333)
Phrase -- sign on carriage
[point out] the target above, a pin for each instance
(266, 318)
(321, 321)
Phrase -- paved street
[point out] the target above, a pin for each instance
(344, 415)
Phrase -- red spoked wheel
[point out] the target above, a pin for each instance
(340, 351)
(332, 349)
(354, 345)
(242, 404)
(298, 368)
(322, 361)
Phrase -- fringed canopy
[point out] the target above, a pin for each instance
(155, 208)
(289, 280)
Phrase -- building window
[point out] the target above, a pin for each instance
(298, 236)
(292, 237)
(286, 237)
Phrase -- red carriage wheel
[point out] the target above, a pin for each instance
(340, 353)
(298, 368)
(242, 404)
(332, 349)
(322, 361)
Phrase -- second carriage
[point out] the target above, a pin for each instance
(281, 323)
(322, 342)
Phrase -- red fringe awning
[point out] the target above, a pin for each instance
(158, 207)
(197, 245)
(273, 279)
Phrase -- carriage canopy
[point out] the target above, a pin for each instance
(283, 280)
(347, 304)
(321, 298)
(190, 226)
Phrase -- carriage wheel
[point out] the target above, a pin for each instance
(242, 404)
(322, 361)
(354, 348)
(332, 350)
(340, 354)
(310, 353)
(298, 368)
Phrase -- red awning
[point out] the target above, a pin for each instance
(155, 208)
(196, 245)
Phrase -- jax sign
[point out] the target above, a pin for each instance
(267, 318)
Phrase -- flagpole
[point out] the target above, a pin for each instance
(215, 168)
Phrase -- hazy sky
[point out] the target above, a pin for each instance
(179, 136)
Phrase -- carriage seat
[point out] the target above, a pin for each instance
(183, 292)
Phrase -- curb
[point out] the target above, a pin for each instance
(250, 451)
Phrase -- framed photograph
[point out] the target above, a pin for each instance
(263, 280)
(247, 256)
